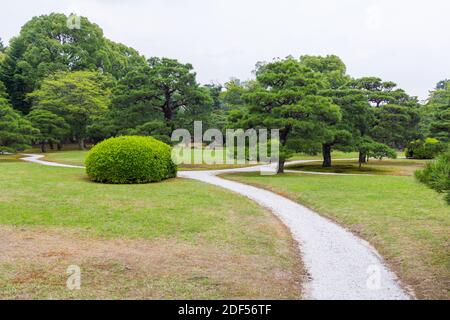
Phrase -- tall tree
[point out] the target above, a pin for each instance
(16, 133)
(338, 133)
(436, 113)
(164, 90)
(46, 45)
(396, 113)
(285, 97)
(78, 97)
(52, 128)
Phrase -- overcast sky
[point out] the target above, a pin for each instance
(405, 41)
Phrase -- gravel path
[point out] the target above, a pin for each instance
(340, 265)
(36, 159)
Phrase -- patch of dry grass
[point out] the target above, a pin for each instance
(33, 264)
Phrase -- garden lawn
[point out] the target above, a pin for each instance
(408, 223)
(175, 239)
(401, 167)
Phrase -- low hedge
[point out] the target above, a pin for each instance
(425, 149)
(130, 159)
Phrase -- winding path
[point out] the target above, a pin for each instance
(340, 265)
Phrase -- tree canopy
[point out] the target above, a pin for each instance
(16, 133)
(285, 97)
(47, 45)
(78, 97)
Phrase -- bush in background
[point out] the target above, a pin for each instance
(424, 149)
(436, 175)
(130, 159)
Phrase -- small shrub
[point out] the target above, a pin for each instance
(424, 149)
(130, 159)
(436, 175)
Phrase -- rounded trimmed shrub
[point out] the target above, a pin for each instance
(130, 159)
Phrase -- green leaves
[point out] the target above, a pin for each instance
(130, 159)
(46, 45)
(436, 175)
(77, 97)
(16, 133)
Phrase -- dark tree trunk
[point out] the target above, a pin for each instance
(362, 157)
(43, 146)
(59, 146)
(81, 144)
(280, 166)
(283, 139)
(50, 143)
(326, 152)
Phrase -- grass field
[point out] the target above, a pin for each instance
(407, 222)
(175, 239)
(400, 167)
(335, 155)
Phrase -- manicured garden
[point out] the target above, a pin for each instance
(407, 222)
(174, 239)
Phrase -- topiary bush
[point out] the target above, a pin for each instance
(130, 159)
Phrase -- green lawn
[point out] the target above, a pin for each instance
(335, 155)
(407, 222)
(213, 243)
(400, 167)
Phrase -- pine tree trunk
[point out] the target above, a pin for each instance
(362, 157)
(326, 152)
(81, 144)
(43, 147)
(280, 166)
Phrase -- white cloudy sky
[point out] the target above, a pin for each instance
(406, 41)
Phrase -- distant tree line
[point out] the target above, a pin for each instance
(65, 85)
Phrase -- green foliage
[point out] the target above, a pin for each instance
(381, 92)
(47, 45)
(285, 97)
(436, 113)
(156, 128)
(375, 149)
(52, 128)
(164, 89)
(396, 125)
(130, 159)
(16, 133)
(436, 175)
(78, 97)
(424, 149)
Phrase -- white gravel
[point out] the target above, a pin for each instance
(340, 265)
(36, 159)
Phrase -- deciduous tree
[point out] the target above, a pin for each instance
(78, 97)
